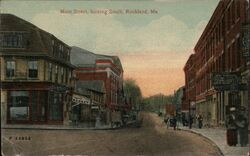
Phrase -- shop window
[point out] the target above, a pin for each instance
(10, 69)
(18, 102)
(33, 69)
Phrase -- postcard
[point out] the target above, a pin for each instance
(125, 77)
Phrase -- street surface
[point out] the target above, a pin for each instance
(153, 138)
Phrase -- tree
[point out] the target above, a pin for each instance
(156, 103)
(133, 93)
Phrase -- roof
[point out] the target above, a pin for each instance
(84, 58)
(39, 40)
(93, 85)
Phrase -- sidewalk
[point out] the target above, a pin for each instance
(218, 137)
(79, 126)
(55, 127)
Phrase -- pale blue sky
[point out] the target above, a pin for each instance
(191, 14)
(154, 44)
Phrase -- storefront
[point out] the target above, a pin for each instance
(27, 106)
(39, 105)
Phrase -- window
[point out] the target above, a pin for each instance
(66, 76)
(61, 55)
(18, 102)
(228, 19)
(238, 8)
(12, 40)
(233, 12)
(33, 69)
(56, 74)
(70, 76)
(10, 69)
(50, 72)
(238, 49)
(68, 55)
(62, 75)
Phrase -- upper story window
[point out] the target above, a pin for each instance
(33, 69)
(228, 19)
(61, 51)
(66, 76)
(56, 74)
(50, 71)
(10, 69)
(237, 9)
(68, 55)
(62, 74)
(12, 40)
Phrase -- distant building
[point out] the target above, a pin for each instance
(190, 85)
(177, 99)
(36, 74)
(108, 69)
(170, 110)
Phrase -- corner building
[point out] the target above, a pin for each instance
(36, 74)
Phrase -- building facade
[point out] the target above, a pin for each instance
(93, 110)
(36, 74)
(190, 90)
(219, 50)
(108, 69)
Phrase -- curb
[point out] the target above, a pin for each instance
(207, 138)
(54, 128)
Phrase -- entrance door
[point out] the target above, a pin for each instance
(39, 106)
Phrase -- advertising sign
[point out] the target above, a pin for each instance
(79, 99)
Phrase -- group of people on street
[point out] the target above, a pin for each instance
(171, 121)
(237, 126)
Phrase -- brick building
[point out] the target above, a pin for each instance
(108, 69)
(88, 112)
(190, 71)
(36, 74)
(219, 50)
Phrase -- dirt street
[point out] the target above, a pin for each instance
(153, 138)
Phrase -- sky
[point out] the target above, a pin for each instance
(153, 47)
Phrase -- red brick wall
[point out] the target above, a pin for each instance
(218, 49)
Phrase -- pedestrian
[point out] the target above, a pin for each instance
(242, 126)
(184, 121)
(200, 119)
(166, 120)
(190, 122)
(174, 122)
(231, 129)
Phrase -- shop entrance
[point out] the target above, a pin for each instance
(38, 104)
